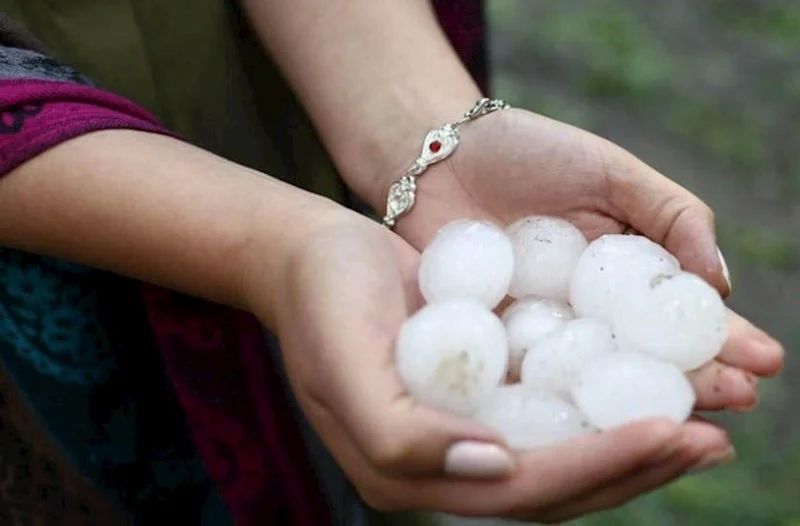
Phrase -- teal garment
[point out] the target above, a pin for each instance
(74, 339)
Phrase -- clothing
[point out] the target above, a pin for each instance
(204, 361)
(40, 114)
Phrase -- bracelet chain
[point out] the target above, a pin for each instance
(438, 145)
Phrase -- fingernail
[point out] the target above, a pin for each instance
(725, 272)
(478, 460)
(743, 409)
(714, 459)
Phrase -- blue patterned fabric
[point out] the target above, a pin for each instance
(74, 341)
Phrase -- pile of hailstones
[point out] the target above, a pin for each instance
(597, 335)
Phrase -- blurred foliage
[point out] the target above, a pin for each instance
(714, 87)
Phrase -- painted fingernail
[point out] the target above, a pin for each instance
(725, 272)
(478, 460)
(712, 460)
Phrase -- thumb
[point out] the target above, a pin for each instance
(668, 214)
(394, 433)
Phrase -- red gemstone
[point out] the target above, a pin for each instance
(435, 146)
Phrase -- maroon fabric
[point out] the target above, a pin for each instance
(464, 22)
(36, 115)
(236, 410)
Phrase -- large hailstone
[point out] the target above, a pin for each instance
(679, 319)
(622, 387)
(612, 265)
(452, 354)
(553, 363)
(527, 418)
(527, 321)
(546, 250)
(467, 258)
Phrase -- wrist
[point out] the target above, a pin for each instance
(373, 76)
(280, 229)
(374, 158)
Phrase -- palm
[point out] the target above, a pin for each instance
(516, 163)
(351, 289)
(348, 289)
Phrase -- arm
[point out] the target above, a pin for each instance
(374, 76)
(154, 208)
(90, 177)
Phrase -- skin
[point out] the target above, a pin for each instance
(335, 291)
(375, 76)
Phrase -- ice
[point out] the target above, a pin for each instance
(554, 362)
(527, 321)
(546, 250)
(680, 319)
(452, 354)
(622, 387)
(610, 267)
(527, 418)
(467, 259)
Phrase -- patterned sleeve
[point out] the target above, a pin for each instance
(44, 102)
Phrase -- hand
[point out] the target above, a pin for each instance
(515, 163)
(343, 296)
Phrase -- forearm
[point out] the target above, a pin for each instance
(374, 76)
(154, 208)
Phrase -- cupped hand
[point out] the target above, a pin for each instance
(515, 163)
(347, 289)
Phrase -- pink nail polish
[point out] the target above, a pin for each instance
(478, 460)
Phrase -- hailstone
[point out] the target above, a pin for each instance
(679, 319)
(527, 321)
(611, 266)
(553, 363)
(622, 387)
(467, 258)
(452, 354)
(527, 418)
(546, 251)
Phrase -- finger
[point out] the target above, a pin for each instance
(719, 386)
(712, 447)
(556, 474)
(666, 213)
(544, 478)
(750, 348)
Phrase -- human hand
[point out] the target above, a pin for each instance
(341, 300)
(515, 163)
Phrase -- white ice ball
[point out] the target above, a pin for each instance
(546, 250)
(679, 319)
(621, 388)
(610, 266)
(452, 354)
(467, 258)
(554, 362)
(527, 321)
(527, 418)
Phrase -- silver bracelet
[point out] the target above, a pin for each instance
(439, 144)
